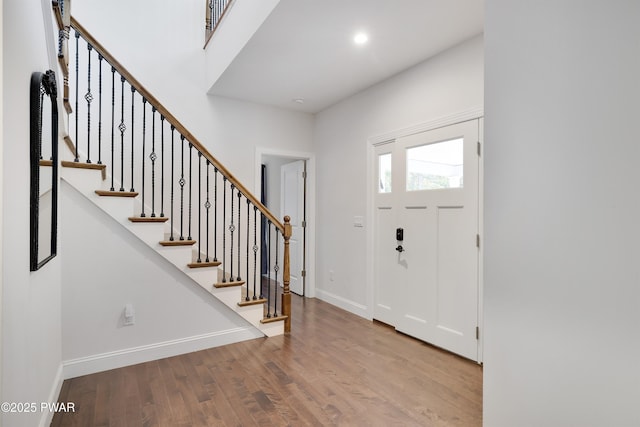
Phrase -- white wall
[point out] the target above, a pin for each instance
(449, 83)
(104, 268)
(31, 325)
(168, 59)
(562, 342)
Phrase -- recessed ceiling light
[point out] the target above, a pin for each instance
(360, 38)
(298, 100)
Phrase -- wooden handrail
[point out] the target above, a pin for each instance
(175, 122)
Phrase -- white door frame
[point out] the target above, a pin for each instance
(471, 114)
(310, 243)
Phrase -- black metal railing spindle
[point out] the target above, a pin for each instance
(153, 157)
(182, 182)
(88, 97)
(190, 183)
(276, 268)
(224, 222)
(215, 214)
(133, 93)
(207, 206)
(232, 228)
(144, 142)
(238, 278)
(199, 206)
(113, 116)
(247, 249)
(77, 158)
(173, 129)
(161, 166)
(100, 59)
(268, 255)
(255, 250)
(122, 127)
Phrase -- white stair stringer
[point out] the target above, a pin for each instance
(87, 181)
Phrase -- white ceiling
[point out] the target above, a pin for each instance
(305, 49)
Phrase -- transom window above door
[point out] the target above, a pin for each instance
(435, 166)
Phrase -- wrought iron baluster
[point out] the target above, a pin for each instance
(207, 206)
(100, 59)
(133, 92)
(268, 255)
(238, 278)
(247, 253)
(171, 238)
(161, 166)
(199, 206)
(122, 127)
(232, 228)
(255, 251)
(144, 141)
(276, 268)
(113, 122)
(224, 226)
(182, 182)
(215, 214)
(190, 182)
(77, 34)
(88, 97)
(153, 157)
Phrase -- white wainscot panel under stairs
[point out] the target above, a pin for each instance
(87, 181)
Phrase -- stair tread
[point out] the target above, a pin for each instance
(273, 319)
(245, 303)
(202, 264)
(148, 218)
(229, 283)
(109, 193)
(84, 165)
(177, 242)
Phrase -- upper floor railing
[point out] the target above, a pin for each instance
(216, 9)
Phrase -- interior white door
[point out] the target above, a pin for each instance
(429, 279)
(292, 183)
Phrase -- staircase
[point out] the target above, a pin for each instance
(126, 153)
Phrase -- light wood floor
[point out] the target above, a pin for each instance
(333, 369)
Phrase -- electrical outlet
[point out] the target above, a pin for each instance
(331, 276)
(129, 315)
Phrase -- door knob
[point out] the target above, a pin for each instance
(400, 248)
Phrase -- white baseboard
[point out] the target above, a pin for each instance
(146, 353)
(343, 303)
(47, 416)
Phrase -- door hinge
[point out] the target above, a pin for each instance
(304, 273)
(479, 148)
(477, 332)
(304, 174)
(478, 241)
(304, 224)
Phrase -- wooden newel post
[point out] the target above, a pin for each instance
(286, 276)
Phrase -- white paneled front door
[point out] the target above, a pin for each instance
(426, 233)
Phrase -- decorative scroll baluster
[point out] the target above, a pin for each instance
(171, 238)
(232, 228)
(238, 278)
(199, 206)
(207, 206)
(144, 141)
(224, 222)
(122, 128)
(88, 97)
(190, 182)
(113, 121)
(133, 92)
(255, 251)
(268, 255)
(182, 182)
(100, 59)
(77, 159)
(153, 157)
